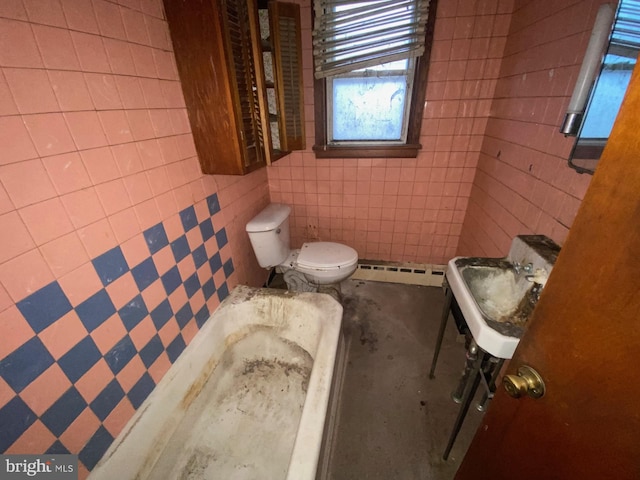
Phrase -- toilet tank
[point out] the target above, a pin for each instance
(269, 234)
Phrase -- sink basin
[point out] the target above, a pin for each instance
(496, 301)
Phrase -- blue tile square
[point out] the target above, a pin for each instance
(202, 316)
(110, 266)
(151, 351)
(171, 280)
(180, 248)
(223, 291)
(57, 448)
(213, 204)
(189, 218)
(44, 306)
(192, 285)
(209, 288)
(107, 400)
(200, 256)
(156, 238)
(206, 229)
(64, 411)
(175, 348)
(25, 364)
(141, 390)
(184, 315)
(95, 310)
(133, 312)
(161, 314)
(228, 268)
(216, 263)
(121, 354)
(145, 274)
(221, 238)
(95, 448)
(15, 417)
(79, 360)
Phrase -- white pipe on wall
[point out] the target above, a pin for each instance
(590, 65)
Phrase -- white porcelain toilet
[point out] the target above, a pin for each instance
(314, 265)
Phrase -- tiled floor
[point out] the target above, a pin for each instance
(394, 421)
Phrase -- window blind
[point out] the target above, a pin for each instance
(625, 39)
(350, 35)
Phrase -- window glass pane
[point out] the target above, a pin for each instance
(369, 108)
(607, 96)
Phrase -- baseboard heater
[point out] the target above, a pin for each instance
(408, 273)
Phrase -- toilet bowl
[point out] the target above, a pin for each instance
(313, 265)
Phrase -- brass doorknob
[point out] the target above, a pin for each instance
(527, 382)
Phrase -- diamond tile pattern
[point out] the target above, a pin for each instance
(104, 403)
(77, 361)
(108, 224)
(145, 273)
(133, 312)
(15, 417)
(49, 304)
(44, 307)
(110, 265)
(25, 364)
(95, 310)
(62, 413)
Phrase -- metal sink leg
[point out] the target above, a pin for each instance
(446, 309)
(475, 375)
(471, 357)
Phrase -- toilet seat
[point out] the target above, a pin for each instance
(318, 263)
(325, 256)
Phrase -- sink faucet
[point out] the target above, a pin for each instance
(518, 267)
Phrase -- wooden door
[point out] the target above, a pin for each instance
(583, 339)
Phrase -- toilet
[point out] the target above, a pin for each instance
(314, 265)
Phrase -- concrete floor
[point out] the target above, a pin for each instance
(394, 422)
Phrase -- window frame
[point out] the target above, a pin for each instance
(409, 149)
(586, 151)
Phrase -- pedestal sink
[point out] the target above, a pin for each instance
(497, 295)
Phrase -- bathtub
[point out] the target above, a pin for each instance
(253, 396)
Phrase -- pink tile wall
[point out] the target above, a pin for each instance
(523, 183)
(95, 149)
(406, 210)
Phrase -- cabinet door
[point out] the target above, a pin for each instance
(246, 73)
(213, 47)
(284, 20)
(217, 44)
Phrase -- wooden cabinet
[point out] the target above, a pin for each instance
(220, 56)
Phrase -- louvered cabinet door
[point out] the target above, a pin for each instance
(246, 73)
(213, 47)
(284, 21)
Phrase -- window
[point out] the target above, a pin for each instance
(370, 105)
(609, 88)
(371, 59)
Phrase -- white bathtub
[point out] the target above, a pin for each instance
(247, 399)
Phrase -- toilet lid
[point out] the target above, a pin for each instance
(326, 255)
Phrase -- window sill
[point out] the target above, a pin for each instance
(385, 151)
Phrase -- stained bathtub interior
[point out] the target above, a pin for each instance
(261, 379)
